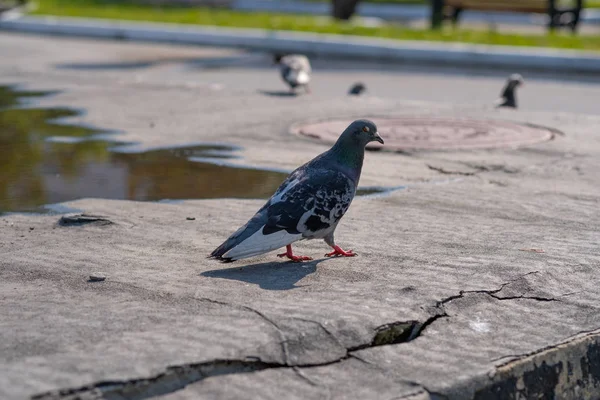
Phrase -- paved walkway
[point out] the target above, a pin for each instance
(480, 278)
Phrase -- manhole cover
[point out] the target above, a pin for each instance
(435, 133)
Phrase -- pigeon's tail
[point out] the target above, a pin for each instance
(236, 238)
(251, 240)
(245, 243)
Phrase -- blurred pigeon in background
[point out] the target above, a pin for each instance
(295, 70)
(508, 97)
(357, 89)
(309, 203)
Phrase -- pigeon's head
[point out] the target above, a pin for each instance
(277, 58)
(362, 132)
(515, 80)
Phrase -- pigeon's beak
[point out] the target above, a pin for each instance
(377, 138)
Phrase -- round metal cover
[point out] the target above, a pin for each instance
(435, 133)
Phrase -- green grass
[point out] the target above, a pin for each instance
(588, 3)
(114, 10)
(421, 2)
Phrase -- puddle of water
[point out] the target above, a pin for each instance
(43, 161)
(11, 98)
(46, 161)
(377, 191)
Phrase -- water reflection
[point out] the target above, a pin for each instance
(377, 191)
(10, 97)
(44, 162)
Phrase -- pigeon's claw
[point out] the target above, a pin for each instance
(289, 254)
(339, 252)
(295, 258)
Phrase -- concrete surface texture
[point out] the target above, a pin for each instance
(480, 280)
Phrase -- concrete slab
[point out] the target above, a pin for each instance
(477, 281)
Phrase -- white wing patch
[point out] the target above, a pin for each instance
(277, 197)
(260, 244)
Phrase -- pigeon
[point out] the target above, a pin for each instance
(357, 89)
(508, 96)
(295, 70)
(309, 203)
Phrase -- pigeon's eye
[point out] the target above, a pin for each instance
(366, 129)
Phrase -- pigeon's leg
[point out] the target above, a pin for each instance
(289, 254)
(337, 250)
(307, 89)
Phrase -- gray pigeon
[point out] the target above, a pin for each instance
(357, 89)
(309, 203)
(295, 70)
(508, 97)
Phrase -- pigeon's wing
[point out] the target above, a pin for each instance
(297, 77)
(296, 70)
(297, 61)
(302, 62)
(305, 205)
(249, 241)
(312, 203)
(288, 75)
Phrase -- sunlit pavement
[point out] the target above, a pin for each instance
(466, 283)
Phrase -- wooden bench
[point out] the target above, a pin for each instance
(558, 14)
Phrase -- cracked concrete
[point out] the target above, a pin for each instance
(480, 285)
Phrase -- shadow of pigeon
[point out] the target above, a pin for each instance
(270, 275)
(278, 93)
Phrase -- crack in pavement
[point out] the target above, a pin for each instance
(491, 168)
(523, 297)
(477, 167)
(449, 172)
(439, 305)
(327, 331)
(283, 341)
(175, 378)
(172, 379)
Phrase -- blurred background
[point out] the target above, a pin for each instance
(571, 24)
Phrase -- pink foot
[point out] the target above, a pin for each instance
(338, 252)
(289, 254)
